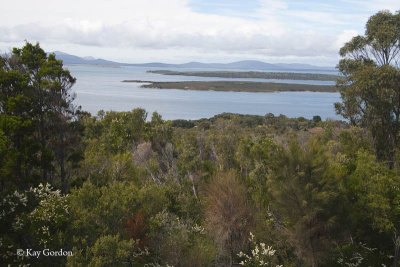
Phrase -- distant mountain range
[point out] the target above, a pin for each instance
(241, 65)
(70, 59)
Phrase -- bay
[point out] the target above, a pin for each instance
(100, 88)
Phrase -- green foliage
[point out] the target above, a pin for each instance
(251, 74)
(110, 250)
(370, 82)
(304, 186)
(188, 193)
(40, 215)
(236, 86)
(180, 243)
(100, 210)
(38, 118)
(370, 93)
(158, 194)
(49, 217)
(117, 132)
(316, 118)
(254, 156)
(372, 218)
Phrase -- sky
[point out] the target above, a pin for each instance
(179, 31)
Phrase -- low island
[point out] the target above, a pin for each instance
(252, 75)
(236, 86)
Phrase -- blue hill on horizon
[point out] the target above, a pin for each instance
(242, 65)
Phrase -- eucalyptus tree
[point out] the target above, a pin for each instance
(370, 82)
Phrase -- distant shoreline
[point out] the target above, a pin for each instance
(228, 86)
(252, 75)
(93, 65)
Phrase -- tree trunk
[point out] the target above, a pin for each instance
(62, 163)
(193, 186)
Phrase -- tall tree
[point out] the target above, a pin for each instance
(370, 82)
(37, 116)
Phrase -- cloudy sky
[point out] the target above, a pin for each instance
(179, 31)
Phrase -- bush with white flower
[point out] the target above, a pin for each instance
(38, 214)
(12, 208)
(50, 214)
(260, 255)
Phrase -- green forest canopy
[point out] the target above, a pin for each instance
(117, 189)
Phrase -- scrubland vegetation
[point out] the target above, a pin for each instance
(122, 189)
(260, 87)
(251, 74)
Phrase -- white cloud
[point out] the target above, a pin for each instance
(223, 36)
(376, 5)
(343, 38)
(273, 5)
(172, 28)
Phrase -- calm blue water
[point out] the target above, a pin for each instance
(101, 88)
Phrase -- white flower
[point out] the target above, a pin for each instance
(251, 237)
(261, 255)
